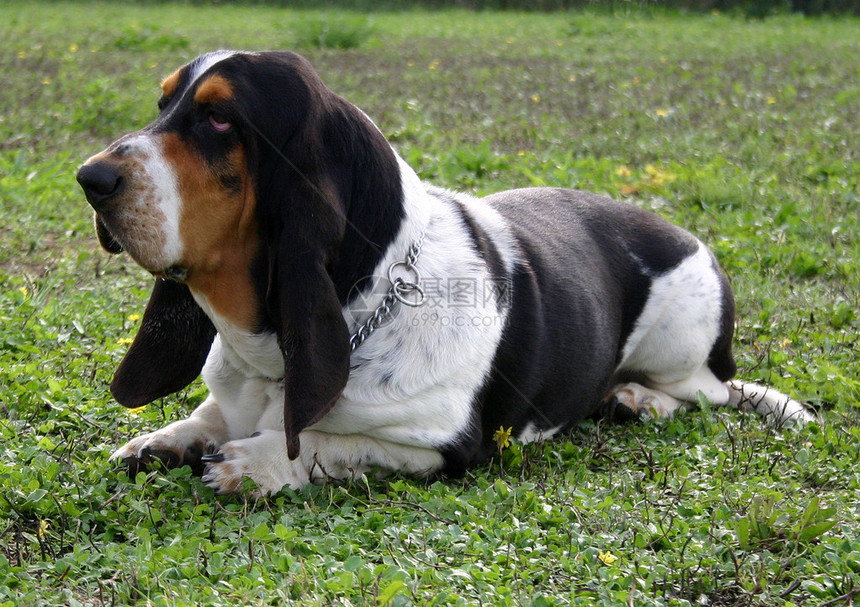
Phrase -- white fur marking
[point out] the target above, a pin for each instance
(673, 335)
(704, 381)
(254, 353)
(164, 187)
(207, 61)
(531, 433)
(768, 402)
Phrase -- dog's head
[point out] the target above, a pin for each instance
(259, 194)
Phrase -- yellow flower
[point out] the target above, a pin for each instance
(662, 113)
(73, 48)
(623, 171)
(43, 527)
(606, 557)
(784, 343)
(503, 437)
(124, 341)
(136, 410)
(133, 317)
(22, 54)
(771, 100)
(636, 80)
(571, 78)
(536, 98)
(433, 64)
(657, 177)
(24, 291)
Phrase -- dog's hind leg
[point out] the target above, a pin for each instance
(767, 402)
(776, 407)
(660, 396)
(662, 399)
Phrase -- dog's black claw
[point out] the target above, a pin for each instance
(214, 458)
(163, 457)
(132, 466)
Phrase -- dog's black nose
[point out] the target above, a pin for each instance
(100, 182)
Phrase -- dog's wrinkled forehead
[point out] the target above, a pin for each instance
(183, 81)
(273, 92)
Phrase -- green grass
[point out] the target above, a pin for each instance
(743, 131)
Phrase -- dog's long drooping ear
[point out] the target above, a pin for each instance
(312, 334)
(169, 350)
(302, 204)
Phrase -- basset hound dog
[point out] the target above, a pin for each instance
(348, 317)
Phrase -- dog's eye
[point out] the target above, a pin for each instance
(219, 123)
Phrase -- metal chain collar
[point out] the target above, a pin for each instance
(400, 290)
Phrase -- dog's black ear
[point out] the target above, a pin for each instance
(302, 299)
(169, 350)
(312, 334)
(328, 203)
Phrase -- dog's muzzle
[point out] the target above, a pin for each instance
(101, 183)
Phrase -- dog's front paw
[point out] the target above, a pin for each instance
(262, 458)
(170, 447)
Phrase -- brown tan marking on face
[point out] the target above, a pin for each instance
(218, 228)
(213, 89)
(169, 84)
